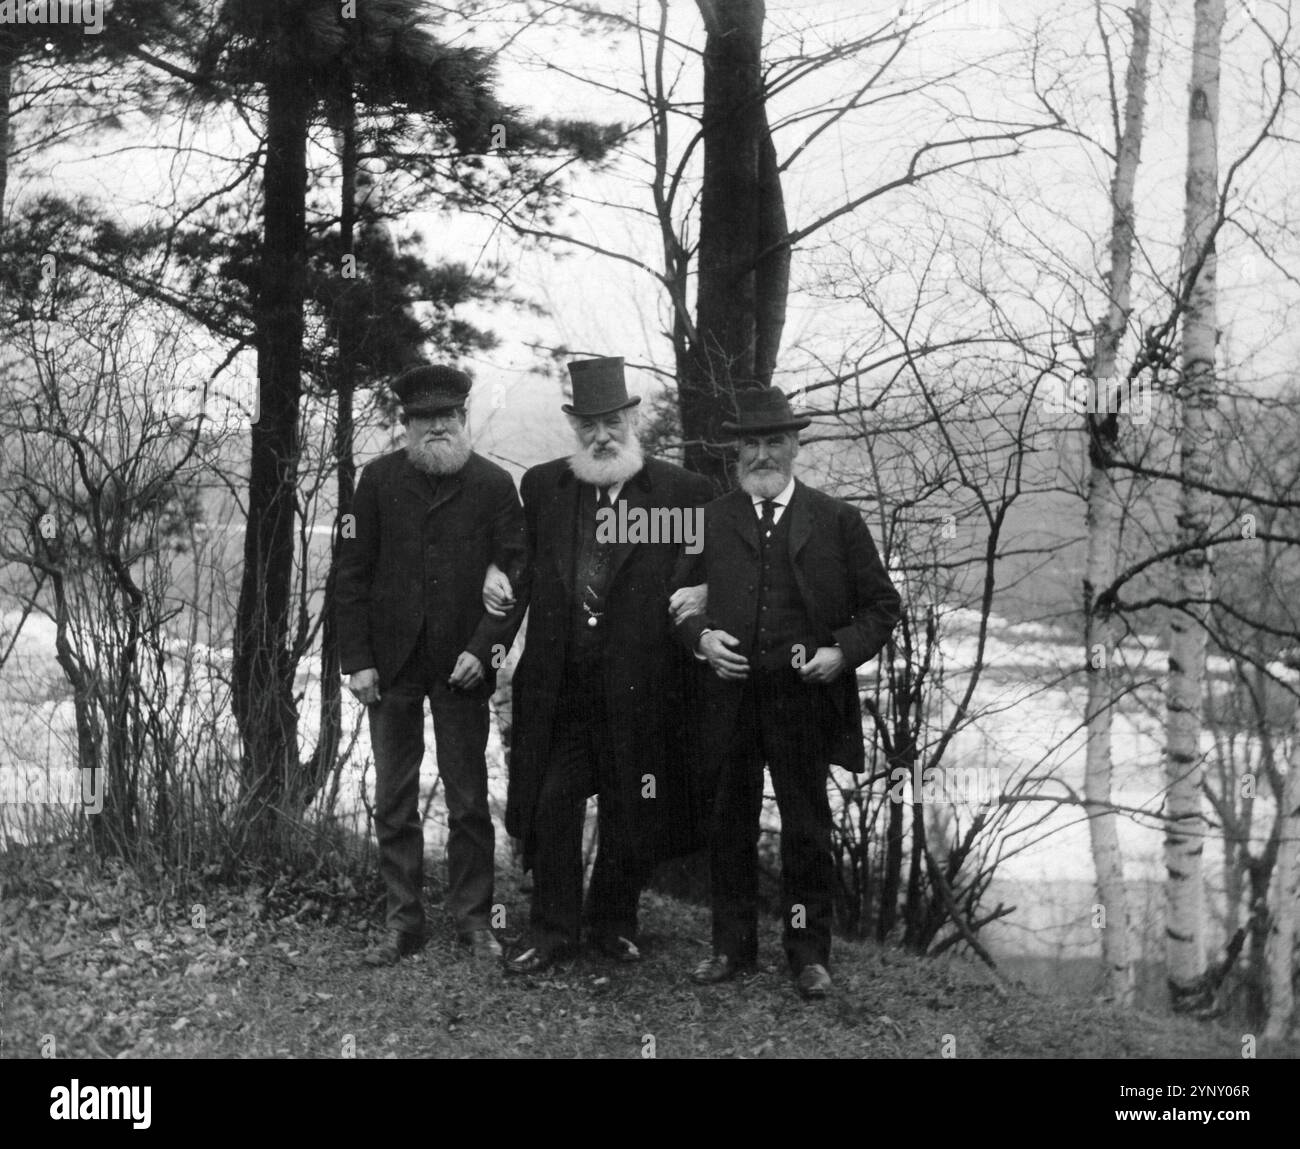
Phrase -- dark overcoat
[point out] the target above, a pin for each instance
(647, 675)
(845, 588)
(419, 550)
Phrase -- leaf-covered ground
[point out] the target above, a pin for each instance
(102, 966)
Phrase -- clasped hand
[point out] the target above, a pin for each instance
(720, 648)
(498, 594)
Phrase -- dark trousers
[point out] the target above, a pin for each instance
(578, 766)
(786, 724)
(460, 728)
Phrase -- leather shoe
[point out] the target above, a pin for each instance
(537, 958)
(813, 981)
(394, 947)
(716, 969)
(617, 948)
(481, 943)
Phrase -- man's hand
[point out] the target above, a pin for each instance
(688, 600)
(719, 648)
(498, 594)
(824, 666)
(467, 673)
(364, 685)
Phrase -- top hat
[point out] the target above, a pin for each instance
(598, 388)
(763, 410)
(429, 388)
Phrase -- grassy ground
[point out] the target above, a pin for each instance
(102, 966)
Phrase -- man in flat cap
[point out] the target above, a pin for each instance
(797, 599)
(598, 692)
(430, 519)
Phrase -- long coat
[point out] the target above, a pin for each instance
(647, 676)
(844, 586)
(419, 550)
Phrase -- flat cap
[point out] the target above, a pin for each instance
(431, 387)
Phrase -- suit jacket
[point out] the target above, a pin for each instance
(422, 548)
(647, 676)
(844, 586)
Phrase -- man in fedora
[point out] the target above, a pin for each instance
(797, 599)
(598, 692)
(429, 520)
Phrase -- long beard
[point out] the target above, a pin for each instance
(441, 458)
(762, 484)
(608, 469)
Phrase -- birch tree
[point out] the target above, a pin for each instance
(1184, 765)
(1281, 948)
(1101, 630)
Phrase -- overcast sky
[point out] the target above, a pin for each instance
(998, 220)
(1052, 198)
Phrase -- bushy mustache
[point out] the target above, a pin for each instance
(762, 480)
(603, 470)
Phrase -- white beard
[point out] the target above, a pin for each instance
(610, 469)
(443, 458)
(763, 484)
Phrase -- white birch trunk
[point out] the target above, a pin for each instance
(1101, 633)
(1282, 934)
(1184, 766)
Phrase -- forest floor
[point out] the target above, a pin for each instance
(100, 965)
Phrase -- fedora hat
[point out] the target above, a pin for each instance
(763, 410)
(430, 387)
(598, 388)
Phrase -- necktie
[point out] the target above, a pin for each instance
(593, 561)
(768, 521)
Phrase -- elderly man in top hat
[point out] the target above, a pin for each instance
(430, 520)
(797, 599)
(600, 684)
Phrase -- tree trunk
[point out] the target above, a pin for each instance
(1282, 935)
(1101, 632)
(6, 86)
(914, 904)
(772, 272)
(264, 667)
(904, 757)
(331, 684)
(1185, 835)
(892, 880)
(722, 359)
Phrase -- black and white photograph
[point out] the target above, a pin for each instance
(650, 530)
